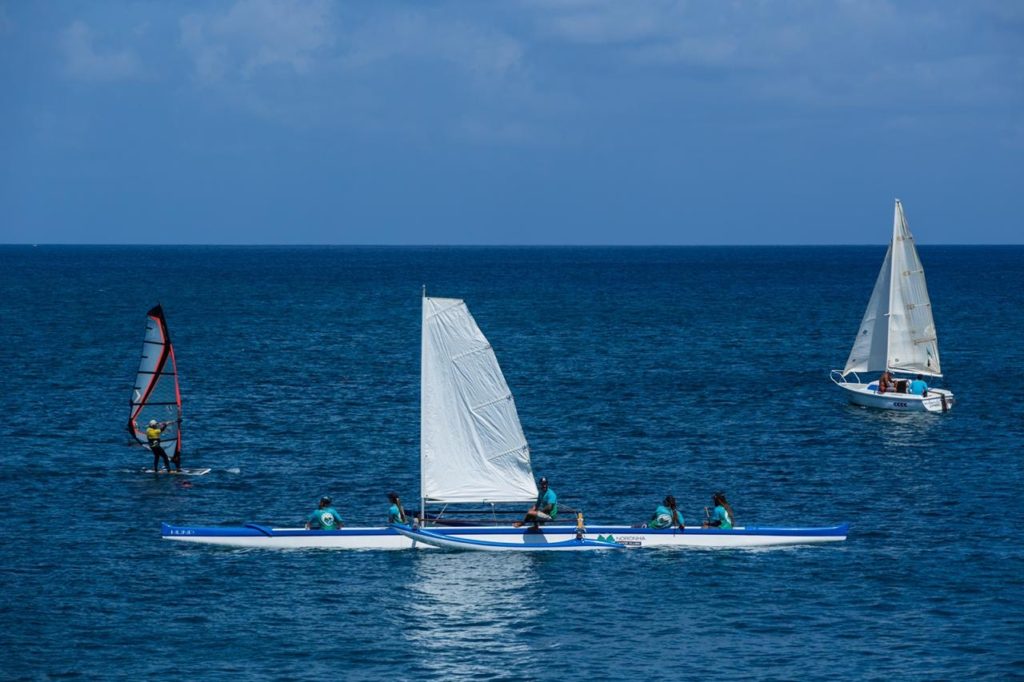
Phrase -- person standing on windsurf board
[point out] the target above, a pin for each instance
(153, 433)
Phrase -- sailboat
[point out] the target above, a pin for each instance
(473, 451)
(156, 395)
(897, 335)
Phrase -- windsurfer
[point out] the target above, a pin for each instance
(153, 433)
(324, 517)
(396, 513)
(721, 516)
(544, 509)
(666, 515)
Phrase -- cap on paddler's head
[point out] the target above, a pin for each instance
(543, 480)
(324, 501)
(393, 496)
(152, 422)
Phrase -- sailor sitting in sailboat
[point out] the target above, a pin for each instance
(918, 386)
(544, 509)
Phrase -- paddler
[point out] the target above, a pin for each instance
(666, 515)
(721, 516)
(324, 517)
(544, 509)
(396, 514)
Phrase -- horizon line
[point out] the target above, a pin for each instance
(485, 246)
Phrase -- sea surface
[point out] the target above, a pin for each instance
(637, 372)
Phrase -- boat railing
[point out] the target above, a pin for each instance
(839, 378)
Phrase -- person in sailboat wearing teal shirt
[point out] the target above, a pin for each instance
(324, 517)
(918, 386)
(666, 515)
(544, 509)
(396, 514)
(722, 516)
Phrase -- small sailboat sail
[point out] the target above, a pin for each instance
(472, 446)
(898, 330)
(156, 394)
(897, 333)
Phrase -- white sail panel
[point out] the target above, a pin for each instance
(472, 446)
(156, 394)
(913, 344)
(870, 349)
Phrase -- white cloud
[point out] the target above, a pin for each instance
(83, 60)
(603, 23)
(257, 35)
(418, 38)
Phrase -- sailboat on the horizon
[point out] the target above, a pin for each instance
(897, 336)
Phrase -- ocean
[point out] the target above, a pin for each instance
(637, 372)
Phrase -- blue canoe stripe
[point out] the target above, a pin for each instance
(518, 545)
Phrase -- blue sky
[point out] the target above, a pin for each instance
(516, 122)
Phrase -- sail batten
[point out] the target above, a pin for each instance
(898, 330)
(472, 446)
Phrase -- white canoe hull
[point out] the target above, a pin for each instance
(867, 395)
(253, 535)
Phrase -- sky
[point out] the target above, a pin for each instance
(515, 122)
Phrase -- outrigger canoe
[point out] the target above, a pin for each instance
(473, 451)
(258, 535)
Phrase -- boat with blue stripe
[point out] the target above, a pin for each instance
(473, 451)
(386, 538)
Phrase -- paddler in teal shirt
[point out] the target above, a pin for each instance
(666, 515)
(325, 517)
(396, 514)
(544, 509)
(722, 516)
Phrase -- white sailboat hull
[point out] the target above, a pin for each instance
(867, 395)
(387, 538)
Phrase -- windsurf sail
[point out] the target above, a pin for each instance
(156, 394)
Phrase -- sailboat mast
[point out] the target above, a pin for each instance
(895, 251)
(423, 350)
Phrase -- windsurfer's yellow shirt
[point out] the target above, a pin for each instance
(153, 433)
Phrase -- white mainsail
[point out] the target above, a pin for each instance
(898, 331)
(472, 446)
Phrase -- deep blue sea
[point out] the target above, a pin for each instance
(637, 372)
